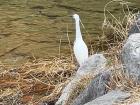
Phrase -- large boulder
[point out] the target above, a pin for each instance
(96, 88)
(94, 65)
(110, 98)
(131, 52)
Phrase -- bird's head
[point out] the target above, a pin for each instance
(76, 16)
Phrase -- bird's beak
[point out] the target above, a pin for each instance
(71, 16)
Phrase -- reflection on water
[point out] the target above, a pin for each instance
(33, 28)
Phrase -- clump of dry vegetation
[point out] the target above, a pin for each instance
(119, 27)
(35, 82)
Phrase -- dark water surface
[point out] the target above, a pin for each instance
(33, 28)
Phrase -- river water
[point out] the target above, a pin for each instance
(43, 28)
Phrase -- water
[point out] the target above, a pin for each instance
(34, 28)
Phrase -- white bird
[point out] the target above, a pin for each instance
(80, 48)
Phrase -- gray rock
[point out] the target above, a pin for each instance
(131, 57)
(136, 103)
(110, 98)
(135, 28)
(96, 88)
(67, 91)
(131, 52)
(92, 66)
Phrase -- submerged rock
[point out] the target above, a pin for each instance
(110, 98)
(93, 65)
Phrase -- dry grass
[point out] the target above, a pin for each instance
(121, 82)
(119, 28)
(37, 81)
(80, 86)
(114, 39)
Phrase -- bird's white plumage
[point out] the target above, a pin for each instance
(80, 48)
(80, 51)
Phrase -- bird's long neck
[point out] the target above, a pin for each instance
(78, 31)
